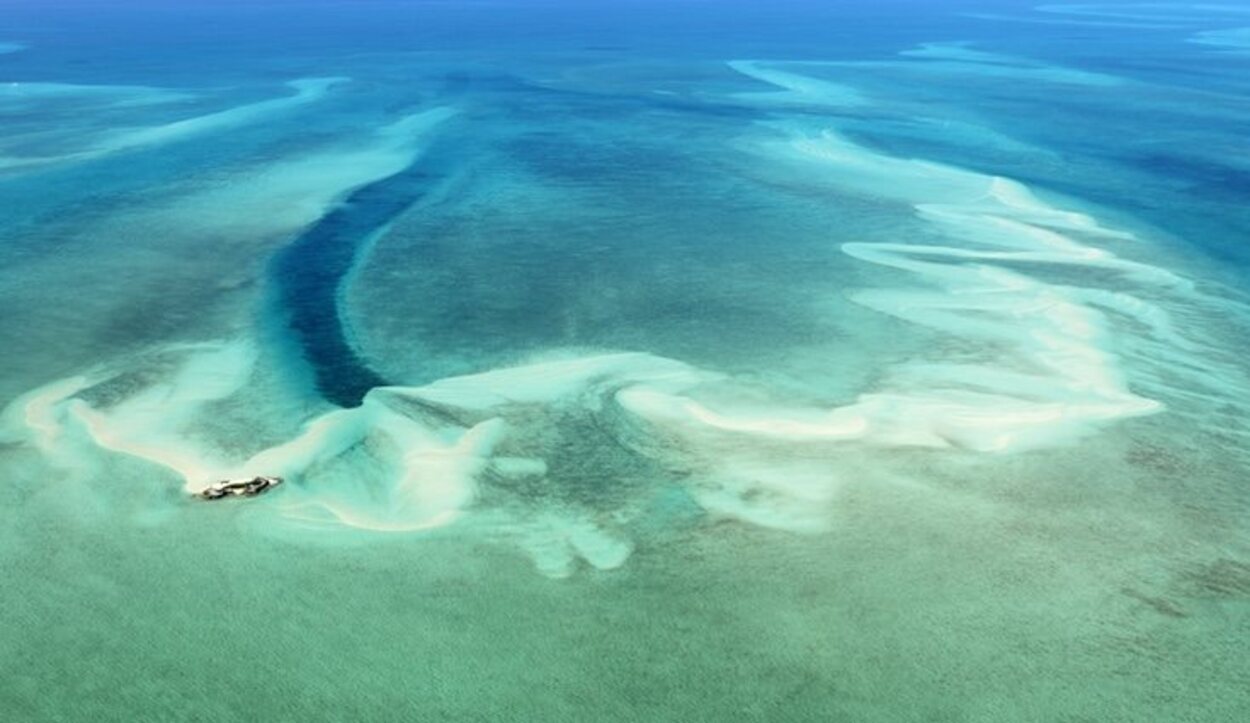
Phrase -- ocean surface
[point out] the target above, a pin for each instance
(625, 361)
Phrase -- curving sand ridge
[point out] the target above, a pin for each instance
(1059, 371)
(435, 444)
(306, 90)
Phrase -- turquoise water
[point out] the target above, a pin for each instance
(636, 361)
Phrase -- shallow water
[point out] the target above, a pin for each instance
(642, 362)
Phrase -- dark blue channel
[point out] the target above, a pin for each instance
(308, 273)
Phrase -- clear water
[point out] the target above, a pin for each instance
(624, 361)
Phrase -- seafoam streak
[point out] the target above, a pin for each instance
(16, 96)
(944, 59)
(1231, 40)
(307, 90)
(799, 89)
